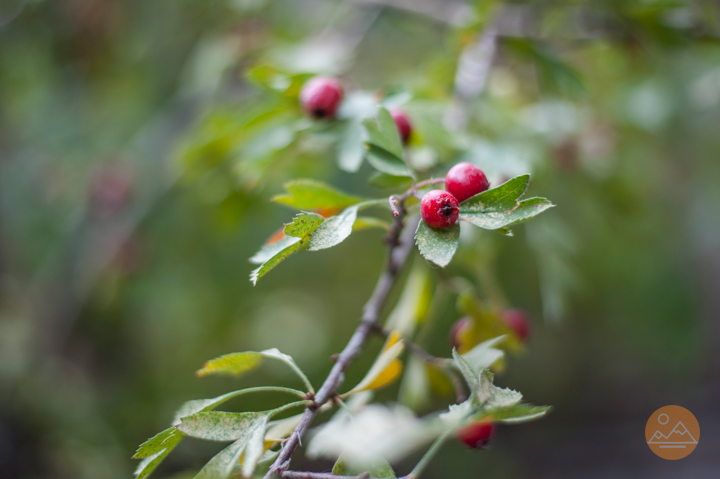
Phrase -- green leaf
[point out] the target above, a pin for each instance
(350, 148)
(484, 354)
(386, 162)
(305, 194)
(378, 469)
(154, 450)
(221, 466)
(222, 426)
(201, 405)
(516, 414)
(383, 133)
(269, 250)
(337, 228)
(303, 225)
(383, 180)
(437, 244)
(239, 363)
(471, 378)
(414, 303)
(499, 208)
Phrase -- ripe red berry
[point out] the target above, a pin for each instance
(517, 320)
(321, 96)
(439, 209)
(403, 124)
(477, 434)
(457, 330)
(465, 180)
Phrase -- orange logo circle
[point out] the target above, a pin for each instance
(672, 432)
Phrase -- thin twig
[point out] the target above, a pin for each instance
(400, 242)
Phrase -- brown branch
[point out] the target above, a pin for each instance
(400, 242)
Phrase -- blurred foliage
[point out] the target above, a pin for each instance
(141, 142)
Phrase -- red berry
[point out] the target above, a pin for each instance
(517, 320)
(477, 434)
(460, 326)
(465, 180)
(439, 209)
(321, 96)
(403, 124)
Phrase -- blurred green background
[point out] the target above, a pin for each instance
(136, 169)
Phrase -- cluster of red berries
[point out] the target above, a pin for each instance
(439, 208)
(321, 96)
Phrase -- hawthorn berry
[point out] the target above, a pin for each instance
(439, 209)
(465, 180)
(519, 322)
(403, 124)
(321, 96)
(457, 331)
(477, 434)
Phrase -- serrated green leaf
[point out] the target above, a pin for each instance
(306, 194)
(437, 244)
(337, 228)
(154, 450)
(301, 227)
(378, 469)
(499, 208)
(267, 251)
(383, 133)
(386, 162)
(303, 224)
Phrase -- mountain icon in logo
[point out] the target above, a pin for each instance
(679, 437)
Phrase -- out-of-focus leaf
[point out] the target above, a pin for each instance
(384, 161)
(386, 368)
(384, 180)
(365, 222)
(303, 225)
(415, 386)
(378, 469)
(305, 194)
(279, 430)
(414, 303)
(437, 244)
(239, 363)
(484, 355)
(516, 414)
(273, 79)
(351, 149)
(556, 73)
(383, 133)
(499, 208)
(395, 97)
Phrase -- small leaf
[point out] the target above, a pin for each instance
(437, 244)
(414, 303)
(384, 180)
(384, 133)
(386, 162)
(305, 194)
(269, 250)
(279, 430)
(334, 230)
(517, 414)
(234, 363)
(154, 450)
(303, 225)
(499, 208)
(484, 354)
(385, 369)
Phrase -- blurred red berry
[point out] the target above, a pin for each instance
(321, 96)
(439, 209)
(403, 124)
(519, 322)
(477, 435)
(465, 180)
